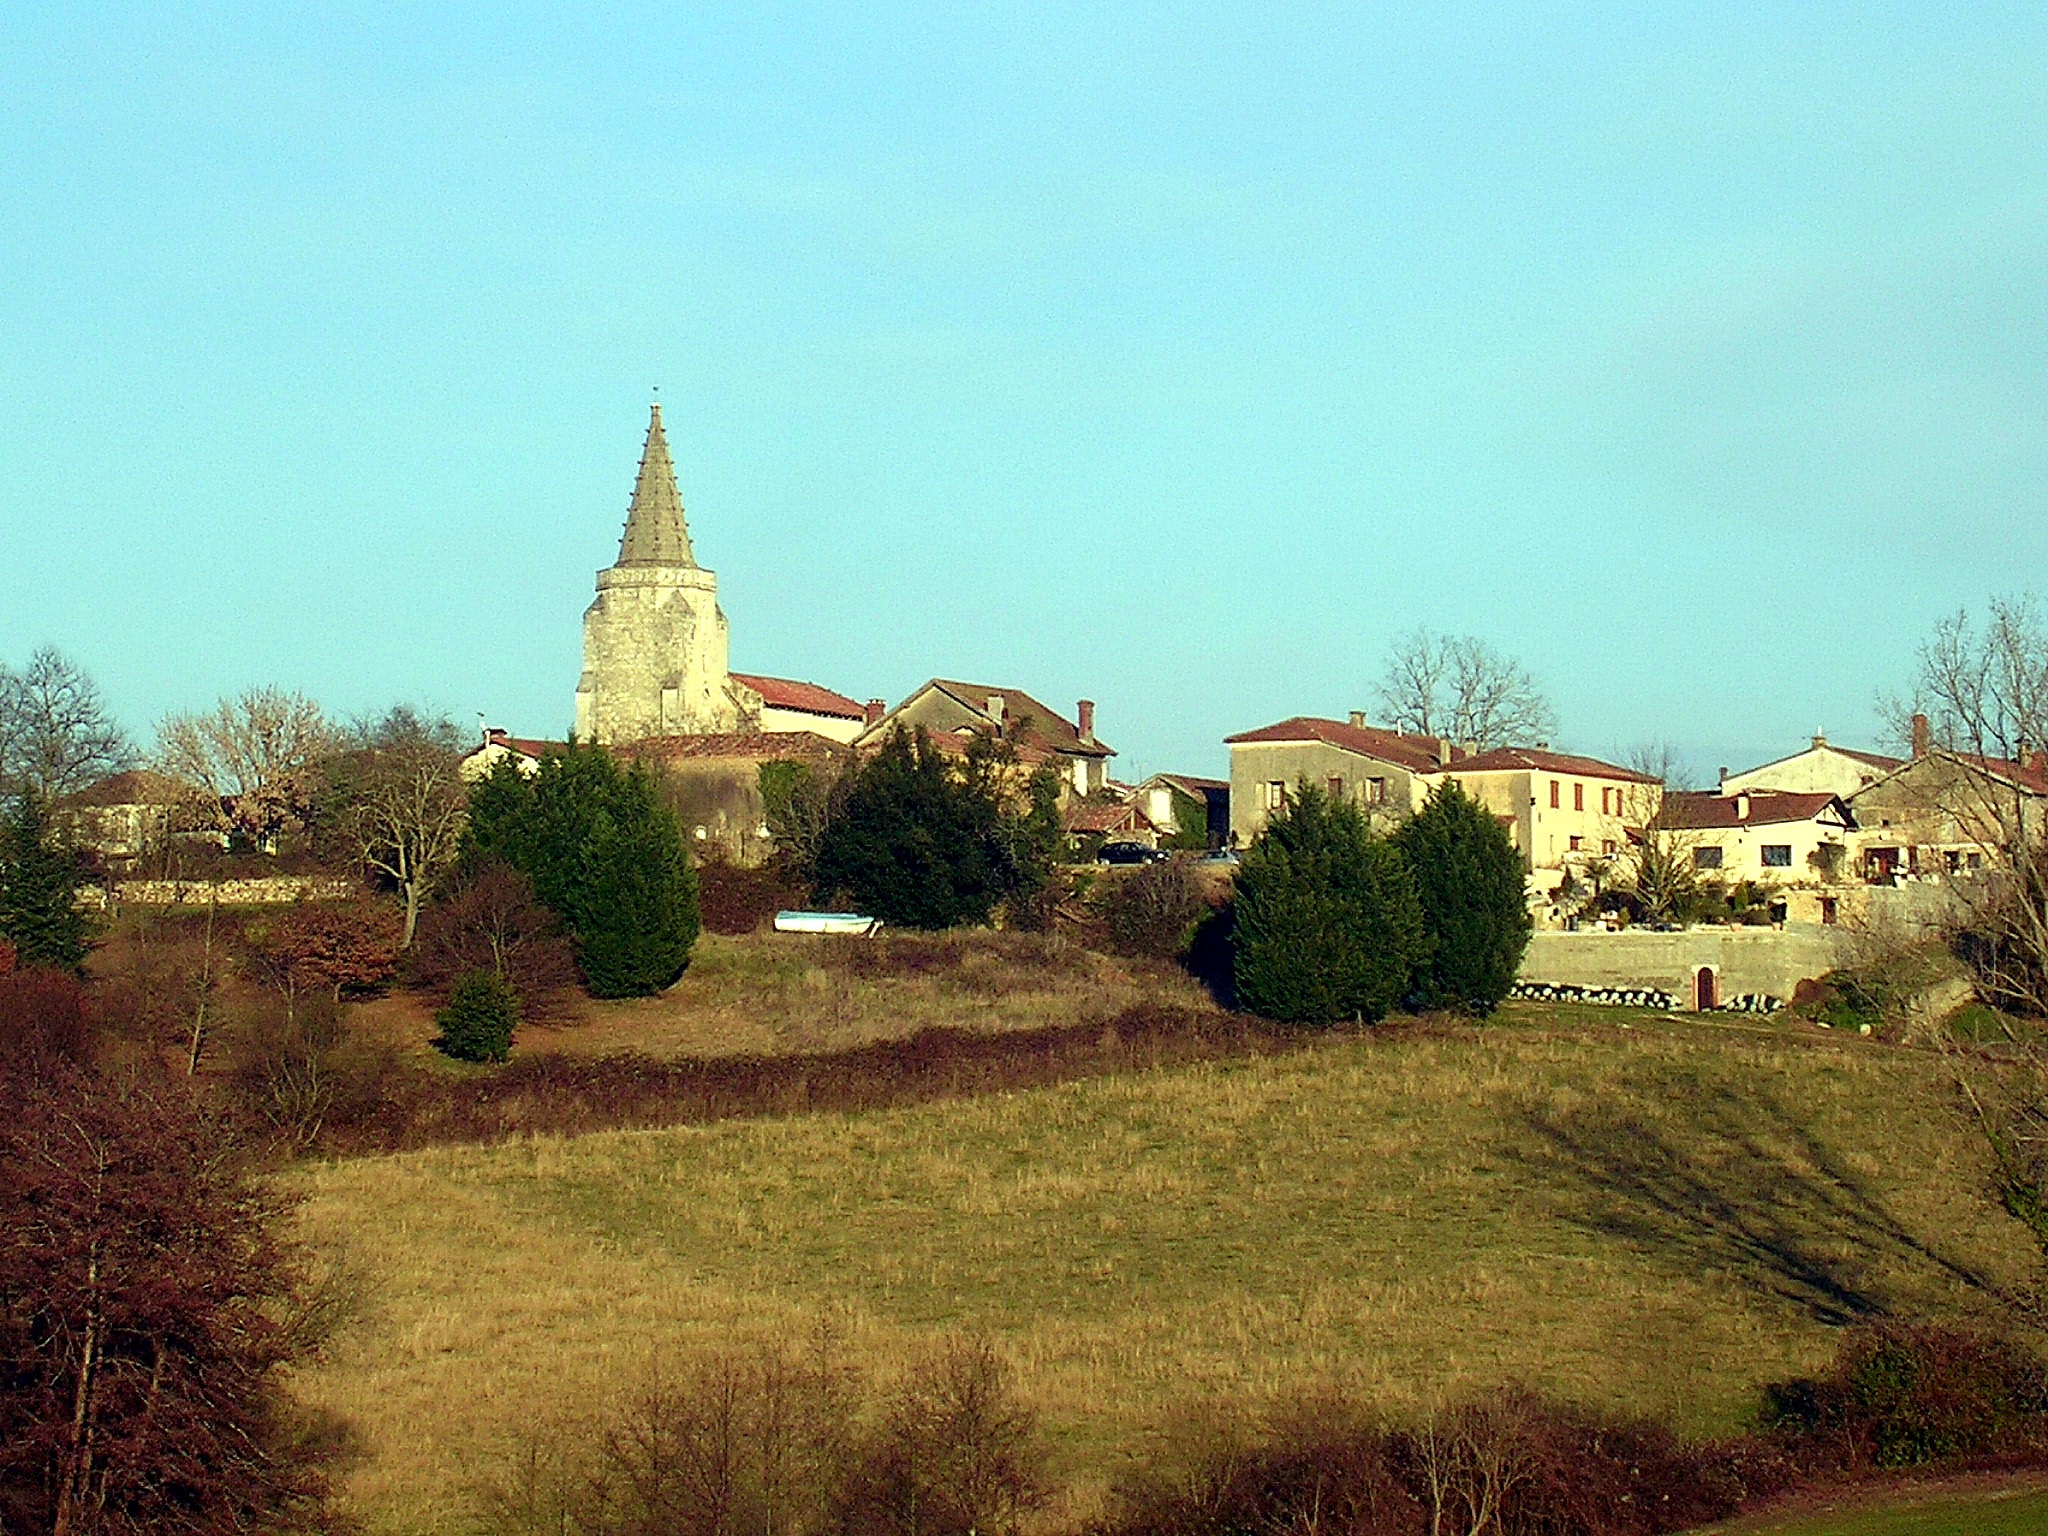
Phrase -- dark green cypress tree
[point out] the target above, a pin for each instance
(1470, 882)
(1326, 924)
(912, 843)
(604, 854)
(40, 876)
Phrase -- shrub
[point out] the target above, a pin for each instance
(478, 1022)
(604, 854)
(1469, 880)
(734, 899)
(1327, 923)
(1152, 910)
(298, 1072)
(333, 947)
(492, 921)
(1902, 1395)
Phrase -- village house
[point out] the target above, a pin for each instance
(1944, 812)
(1382, 771)
(1561, 810)
(1180, 804)
(1822, 767)
(713, 782)
(1764, 836)
(126, 815)
(953, 713)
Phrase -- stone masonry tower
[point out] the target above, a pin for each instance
(654, 641)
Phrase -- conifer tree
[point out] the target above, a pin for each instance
(911, 842)
(1326, 922)
(40, 876)
(1469, 880)
(604, 854)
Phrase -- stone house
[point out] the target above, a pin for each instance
(953, 713)
(126, 815)
(496, 747)
(713, 781)
(1943, 812)
(1383, 771)
(789, 705)
(1768, 837)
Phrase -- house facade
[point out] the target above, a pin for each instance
(1822, 768)
(1560, 809)
(1766, 837)
(1384, 772)
(789, 705)
(1179, 803)
(1946, 813)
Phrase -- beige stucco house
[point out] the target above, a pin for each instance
(952, 713)
(789, 705)
(1561, 809)
(1767, 837)
(1382, 771)
(1944, 813)
(1822, 768)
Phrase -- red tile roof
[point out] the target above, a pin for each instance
(1047, 728)
(1539, 760)
(758, 746)
(1418, 754)
(1698, 810)
(1082, 817)
(808, 698)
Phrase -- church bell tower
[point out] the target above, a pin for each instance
(654, 639)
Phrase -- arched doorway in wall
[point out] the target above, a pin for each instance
(1706, 989)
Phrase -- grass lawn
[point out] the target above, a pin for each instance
(1656, 1217)
(2023, 1513)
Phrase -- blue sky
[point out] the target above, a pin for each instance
(1177, 357)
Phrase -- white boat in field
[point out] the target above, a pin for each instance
(826, 922)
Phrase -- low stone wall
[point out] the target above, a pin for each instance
(1752, 967)
(270, 890)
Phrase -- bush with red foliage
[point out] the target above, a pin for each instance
(733, 899)
(1904, 1394)
(46, 1024)
(140, 1344)
(491, 921)
(331, 946)
(6, 957)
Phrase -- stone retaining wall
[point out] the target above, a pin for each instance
(1752, 965)
(269, 890)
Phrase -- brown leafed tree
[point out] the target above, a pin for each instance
(140, 1344)
(250, 763)
(327, 946)
(491, 921)
(395, 802)
(56, 733)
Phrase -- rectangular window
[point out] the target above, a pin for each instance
(1706, 858)
(1553, 794)
(1276, 794)
(1576, 843)
(1336, 787)
(1376, 791)
(1578, 797)
(1777, 855)
(1607, 845)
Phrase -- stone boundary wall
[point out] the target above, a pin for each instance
(1748, 963)
(269, 890)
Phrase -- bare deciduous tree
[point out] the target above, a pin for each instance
(56, 734)
(251, 763)
(1460, 688)
(396, 801)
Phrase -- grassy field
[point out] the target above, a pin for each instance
(2018, 1513)
(1640, 1212)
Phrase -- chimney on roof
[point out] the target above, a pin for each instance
(1819, 740)
(995, 711)
(1724, 776)
(1923, 737)
(876, 709)
(1468, 748)
(1742, 807)
(1084, 712)
(1443, 752)
(495, 733)
(1358, 719)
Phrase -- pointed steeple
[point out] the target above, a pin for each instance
(655, 532)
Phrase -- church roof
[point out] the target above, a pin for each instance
(655, 532)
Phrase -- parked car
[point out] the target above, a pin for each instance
(1130, 853)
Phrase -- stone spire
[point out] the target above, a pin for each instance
(655, 532)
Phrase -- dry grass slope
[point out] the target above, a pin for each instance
(1657, 1218)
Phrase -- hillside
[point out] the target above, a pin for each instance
(1646, 1213)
